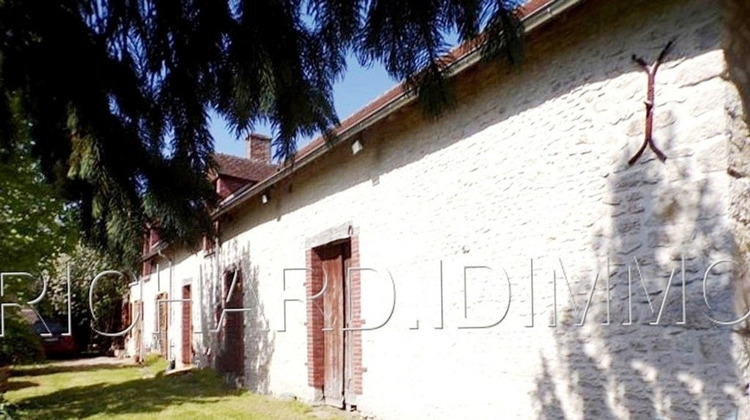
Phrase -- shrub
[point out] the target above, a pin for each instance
(20, 345)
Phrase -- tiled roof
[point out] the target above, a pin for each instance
(533, 13)
(238, 167)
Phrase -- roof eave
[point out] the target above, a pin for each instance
(531, 22)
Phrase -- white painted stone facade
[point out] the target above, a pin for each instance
(531, 166)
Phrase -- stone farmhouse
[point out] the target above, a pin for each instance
(505, 260)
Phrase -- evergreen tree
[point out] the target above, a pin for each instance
(117, 92)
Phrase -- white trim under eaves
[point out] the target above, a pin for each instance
(530, 22)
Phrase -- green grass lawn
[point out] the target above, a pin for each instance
(103, 391)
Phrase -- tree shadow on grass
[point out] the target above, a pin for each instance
(14, 385)
(140, 396)
(41, 370)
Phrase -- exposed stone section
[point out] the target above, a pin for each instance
(737, 46)
(737, 54)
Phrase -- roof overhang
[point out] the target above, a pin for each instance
(531, 21)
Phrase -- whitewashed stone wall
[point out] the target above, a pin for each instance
(531, 168)
(186, 269)
(147, 291)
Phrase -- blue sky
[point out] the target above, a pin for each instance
(359, 87)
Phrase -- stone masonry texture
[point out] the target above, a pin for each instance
(526, 183)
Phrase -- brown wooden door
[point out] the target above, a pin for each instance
(138, 330)
(163, 324)
(231, 357)
(334, 260)
(187, 327)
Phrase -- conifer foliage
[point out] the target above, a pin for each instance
(116, 93)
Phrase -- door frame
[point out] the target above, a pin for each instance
(351, 360)
(162, 323)
(335, 259)
(187, 331)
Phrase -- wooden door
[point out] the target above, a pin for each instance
(138, 330)
(334, 259)
(162, 309)
(231, 357)
(187, 327)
